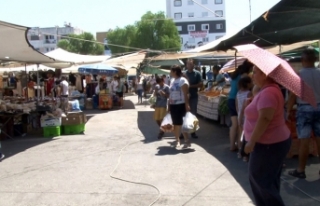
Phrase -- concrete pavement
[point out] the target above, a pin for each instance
(75, 170)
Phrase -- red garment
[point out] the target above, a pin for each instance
(50, 83)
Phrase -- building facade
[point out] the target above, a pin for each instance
(102, 38)
(46, 39)
(197, 23)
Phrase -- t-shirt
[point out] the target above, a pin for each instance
(176, 93)
(194, 77)
(120, 88)
(65, 87)
(234, 87)
(218, 78)
(311, 77)
(161, 100)
(139, 85)
(277, 130)
(241, 97)
(114, 85)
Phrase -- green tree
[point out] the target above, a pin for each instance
(81, 44)
(153, 31)
(121, 36)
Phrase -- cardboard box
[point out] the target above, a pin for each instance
(50, 121)
(74, 118)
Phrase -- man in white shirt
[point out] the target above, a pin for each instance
(64, 85)
(64, 93)
(114, 84)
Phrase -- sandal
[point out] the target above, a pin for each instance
(160, 135)
(295, 173)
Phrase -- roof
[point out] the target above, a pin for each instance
(16, 47)
(288, 22)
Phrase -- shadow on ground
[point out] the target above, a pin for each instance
(213, 137)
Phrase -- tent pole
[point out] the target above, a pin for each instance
(38, 83)
(25, 68)
(319, 52)
(235, 60)
(280, 49)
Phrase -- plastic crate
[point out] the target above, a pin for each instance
(73, 129)
(51, 131)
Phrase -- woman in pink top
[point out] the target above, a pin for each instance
(268, 140)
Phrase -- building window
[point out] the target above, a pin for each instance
(219, 26)
(204, 14)
(179, 28)
(192, 40)
(34, 37)
(181, 40)
(204, 1)
(191, 14)
(205, 39)
(219, 13)
(218, 1)
(47, 49)
(205, 27)
(191, 27)
(190, 2)
(218, 37)
(177, 3)
(177, 15)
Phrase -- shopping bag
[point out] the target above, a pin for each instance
(166, 124)
(152, 100)
(190, 123)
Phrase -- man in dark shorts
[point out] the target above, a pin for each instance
(195, 81)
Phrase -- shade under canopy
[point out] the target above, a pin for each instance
(97, 69)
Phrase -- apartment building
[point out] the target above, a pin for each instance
(102, 38)
(198, 22)
(46, 39)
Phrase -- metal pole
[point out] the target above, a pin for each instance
(27, 93)
(250, 9)
(38, 83)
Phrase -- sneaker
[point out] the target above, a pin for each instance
(160, 135)
(239, 155)
(295, 173)
(177, 144)
(186, 145)
(2, 157)
(194, 136)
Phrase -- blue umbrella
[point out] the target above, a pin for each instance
(97, 69)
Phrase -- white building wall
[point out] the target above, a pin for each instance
(194, 14)
(46, 39)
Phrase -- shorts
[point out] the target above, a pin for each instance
(159, 113)
(232, 107)
(177, 111)
(308, 121)
(119, 94)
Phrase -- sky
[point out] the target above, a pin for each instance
(101, 15)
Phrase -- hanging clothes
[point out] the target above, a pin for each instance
(72, 79)
(78, 83)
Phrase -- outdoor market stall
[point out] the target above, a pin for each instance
(106, 95)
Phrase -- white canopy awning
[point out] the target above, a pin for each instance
(126, 61)
(14, 45)
(77, 59)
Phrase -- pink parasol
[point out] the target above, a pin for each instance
(279, 70)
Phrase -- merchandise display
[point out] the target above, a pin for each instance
(209, 102)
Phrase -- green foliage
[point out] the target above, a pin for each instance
(223, 106)
(74, 45)
(153, 31)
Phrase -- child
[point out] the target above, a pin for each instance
(244, 87)
(251, 95)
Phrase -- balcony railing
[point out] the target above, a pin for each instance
(50, 41)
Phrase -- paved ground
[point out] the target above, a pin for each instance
(75, 170)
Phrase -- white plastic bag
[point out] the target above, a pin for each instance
(167, 124)
(190, 123)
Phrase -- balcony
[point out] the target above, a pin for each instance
(50, 41)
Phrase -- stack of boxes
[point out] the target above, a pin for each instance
(73, 123)
(51, 126)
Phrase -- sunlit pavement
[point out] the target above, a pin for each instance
(75, 170)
